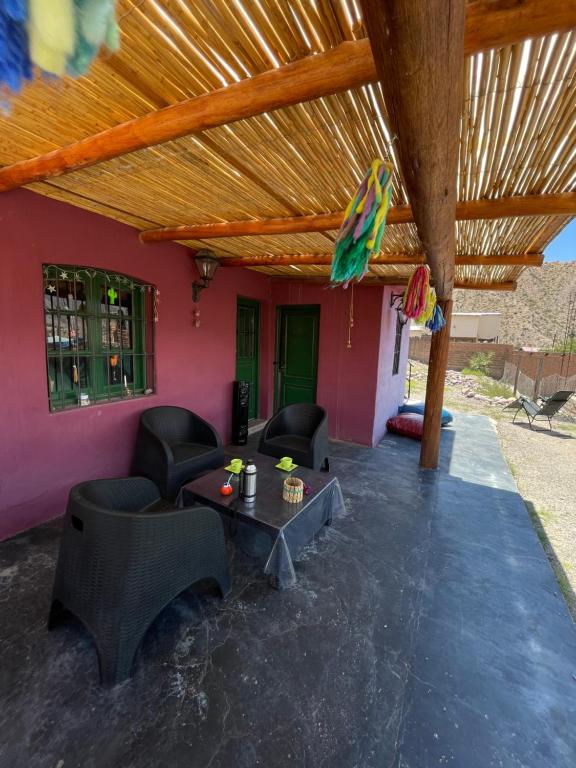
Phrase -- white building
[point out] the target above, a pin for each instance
(468, 326)
(475, 326)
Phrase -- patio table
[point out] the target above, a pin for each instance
(270, 528)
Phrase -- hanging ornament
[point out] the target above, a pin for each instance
(112, 295)
(437, 321)
(51, 27)
(95, 26)
(58, 36)
(361, 232)
(414, 301)
(15, 65)
(75, 377)
(51, 288)
(156, 302)
(351, 318)
(429, 305)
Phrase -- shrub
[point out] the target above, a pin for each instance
(492, 388)
(481, 362)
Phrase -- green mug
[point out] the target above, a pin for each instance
(285, 462)
(236, 464)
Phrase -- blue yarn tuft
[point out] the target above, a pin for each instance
(17, 10)
(15, 65)
(436, 321)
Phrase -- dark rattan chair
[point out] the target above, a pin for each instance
(124, 555)
(299, 431)
(173, 447)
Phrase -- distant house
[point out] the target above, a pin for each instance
(467, 326)
(475, 326)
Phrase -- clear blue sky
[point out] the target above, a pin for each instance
(563, 247)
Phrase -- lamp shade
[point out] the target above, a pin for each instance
(206, 264)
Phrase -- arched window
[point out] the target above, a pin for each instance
(99, 336)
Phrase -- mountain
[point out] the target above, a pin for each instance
(535, 314)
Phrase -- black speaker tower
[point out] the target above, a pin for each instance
(240, 404)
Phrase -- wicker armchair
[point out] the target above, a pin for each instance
(173, 447)
(299, 431)
(124, 555)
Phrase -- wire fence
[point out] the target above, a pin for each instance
(545, 387)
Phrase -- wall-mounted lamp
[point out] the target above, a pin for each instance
(397, 303)
(206, 264)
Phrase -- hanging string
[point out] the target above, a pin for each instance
(156, 302)
(351, 318)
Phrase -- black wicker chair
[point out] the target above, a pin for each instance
(299, 431)
(173, 447)
(124, 555)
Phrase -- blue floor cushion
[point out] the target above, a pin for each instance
(419, 408)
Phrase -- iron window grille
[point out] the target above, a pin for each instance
(99, 336)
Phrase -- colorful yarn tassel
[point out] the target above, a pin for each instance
(15, 66)
(52, 34)
(415, 295)
(364, 221)
(437, 320)
(429, 305)
(58, 36)
(95, 26)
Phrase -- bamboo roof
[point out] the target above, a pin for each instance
(517, 132)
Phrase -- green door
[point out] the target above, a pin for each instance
(247, 348)
(296, 354)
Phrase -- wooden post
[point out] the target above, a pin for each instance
(517, 376)
(538, 378)
(435, 391)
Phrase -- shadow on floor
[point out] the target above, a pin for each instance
(543, 430)
(425, 629)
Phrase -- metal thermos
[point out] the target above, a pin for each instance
(248, 482)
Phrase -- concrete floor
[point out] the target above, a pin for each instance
(426, 629)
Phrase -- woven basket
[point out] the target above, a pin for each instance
(293, 490)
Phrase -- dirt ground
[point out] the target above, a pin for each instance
(543, 463)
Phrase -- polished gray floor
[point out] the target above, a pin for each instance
(426, 629)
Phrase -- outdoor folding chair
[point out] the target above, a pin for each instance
(548, 409)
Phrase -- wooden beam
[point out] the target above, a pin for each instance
(323, 259)
(322, 222)
(504, 207)
(490, 23)
(464, 285)
(496, 24)
(418, 49)
(430, 449)
(349, 65)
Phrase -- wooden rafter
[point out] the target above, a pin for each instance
(503, 207)
(509, 285)
(323, 259)
(349, 65)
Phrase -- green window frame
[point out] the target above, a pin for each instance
(99, 332)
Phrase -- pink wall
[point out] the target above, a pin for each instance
(352, 383)
(389, 389)
(42, 454)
